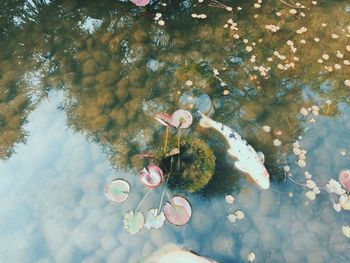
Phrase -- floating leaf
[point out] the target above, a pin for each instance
(181, 119)
(117, 190)
(133, 222)
(153, 220)
(344, 179)
(151, 176)
(140, 2)
(163, 118)
(177, 211)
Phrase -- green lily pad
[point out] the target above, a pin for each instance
(154, 220)
(133, 222)
(117, 190)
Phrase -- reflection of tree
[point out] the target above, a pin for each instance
(126, 69)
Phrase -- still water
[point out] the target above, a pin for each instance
(81, 82)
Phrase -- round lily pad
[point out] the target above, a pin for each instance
(181, 119)
(117, 190)
(151, 176)
(177, 211)
(140, 2)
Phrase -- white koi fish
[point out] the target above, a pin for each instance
(248, 160)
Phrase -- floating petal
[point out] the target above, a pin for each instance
(344, 179)
(334, 187)
(229, 199)
(151, 176)
(177, 211)
(133, 222)
(154, 220)
(346, 231)
(117, 190)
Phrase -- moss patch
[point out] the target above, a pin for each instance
(192, 168)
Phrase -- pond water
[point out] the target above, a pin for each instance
(80, 82)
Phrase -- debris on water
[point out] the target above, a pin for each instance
(334, 186)
(304, 112)
(307, 175)
(189, 83)
(346, 231)
(232, 217)
(239, 215)
(311, 184)
(117, 190)
(301, 163)
(286, 168)
(229, 199)
(310, 195)
(251, 257)
(266, 128)
(343, 152)
(277, 142)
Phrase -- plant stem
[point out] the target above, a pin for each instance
(166, 139)
(166, 182)
(143, 199)
(178, 139)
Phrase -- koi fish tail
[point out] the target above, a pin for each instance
(205, 122)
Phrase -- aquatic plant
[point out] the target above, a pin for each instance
(140, 2)
(193, 167)
(117, 190)
(151, 176)
(177, 210)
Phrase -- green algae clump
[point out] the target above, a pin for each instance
(192, 168)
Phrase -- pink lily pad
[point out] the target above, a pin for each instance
(344, 179)
(117, 190)
(177, 211)
(151, 176)
(163, 118)
(140, 2)
(181, 119)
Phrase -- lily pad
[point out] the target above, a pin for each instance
(177, 211)
(140, 2)
(117, 190)
(181, 119)
(151, 176)
(154, 220)
(133, 222)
